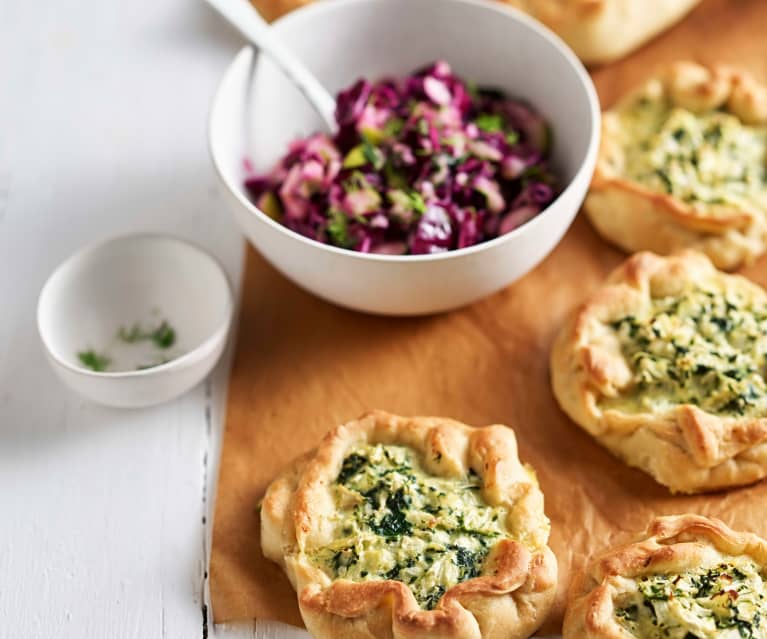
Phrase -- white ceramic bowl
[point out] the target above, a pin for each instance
(257, 112)
(136, 279)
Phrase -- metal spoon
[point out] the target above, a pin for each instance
(244, 17)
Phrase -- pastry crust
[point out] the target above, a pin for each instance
(636, 217)
(670, 546)
(679, 444)
(601, 31)
(511, 596)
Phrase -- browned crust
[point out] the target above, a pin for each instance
(603, 30)
(637, 218)
(684, 448)
(599, 31)
(510, 599)
(669, 545)
(560, 13)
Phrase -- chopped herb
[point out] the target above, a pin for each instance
(433, 599)
(373, 156)
(393, 127)
(132, 334)
(95, 361)
(630, 613)
(705, 597)
(704, 159)
(338, 229)
(489, 122)
(715, 361)
(351, 466)
(416, 200)
(395, 178)
(164, 336)
(467, 561)
(714, 135)
(384, 496)
(668, 185)
(724, 323)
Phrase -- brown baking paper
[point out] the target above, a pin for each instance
(303, 366)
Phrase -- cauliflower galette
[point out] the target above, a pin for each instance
(683, 164)
(688, 577)
(421, 527)
(601, 31)
(665, 366)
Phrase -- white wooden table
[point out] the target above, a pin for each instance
(103, 109)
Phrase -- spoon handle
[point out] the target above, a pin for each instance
(244, 17)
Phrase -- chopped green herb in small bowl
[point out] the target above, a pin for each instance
(146, 348)
(135, 321)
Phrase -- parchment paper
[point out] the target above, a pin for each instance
(302, 366)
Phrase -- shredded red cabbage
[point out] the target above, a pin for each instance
(420, 165)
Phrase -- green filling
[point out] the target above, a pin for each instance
(394, 521)
(706, 160)
(703, 348)
(726, 601)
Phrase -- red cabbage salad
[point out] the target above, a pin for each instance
(421, 165)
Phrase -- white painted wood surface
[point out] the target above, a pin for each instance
(103, 109)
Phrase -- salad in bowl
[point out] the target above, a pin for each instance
(422, 164)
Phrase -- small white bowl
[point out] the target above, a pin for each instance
(138, 280)
(257, 112)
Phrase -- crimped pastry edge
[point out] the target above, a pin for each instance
(670, 544)
(636, 218)
(511, 602)
(685, 448)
